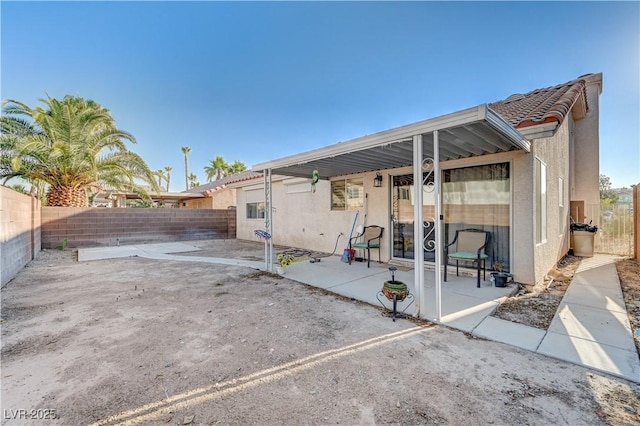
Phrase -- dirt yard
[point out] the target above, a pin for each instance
(629, 274)
(138, 341)
(536, 306)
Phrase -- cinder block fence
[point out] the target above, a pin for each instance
(99, 226)
(19, 232)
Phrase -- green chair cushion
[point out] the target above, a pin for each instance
(365, 245)
(466, 255)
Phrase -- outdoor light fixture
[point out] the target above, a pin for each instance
(377, 181)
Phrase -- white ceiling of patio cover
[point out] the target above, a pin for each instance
(473, 132)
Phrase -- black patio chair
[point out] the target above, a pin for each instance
(470, 246)
(369, 237)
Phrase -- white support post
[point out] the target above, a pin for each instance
(266, 220)
(268, 223)
(270, 230)
(418, 229)
(438, 223)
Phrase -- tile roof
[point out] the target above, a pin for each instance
(209, 188)
(551, 104)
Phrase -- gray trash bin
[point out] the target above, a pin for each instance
(583, 243)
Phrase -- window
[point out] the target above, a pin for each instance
(404, 193)
(255, 210)
(347, 194)
(541, 201)
(562, 219)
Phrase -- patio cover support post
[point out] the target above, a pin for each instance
(268, 224)
(418, 229)
(439, 219)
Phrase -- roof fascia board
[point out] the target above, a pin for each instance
(456, 119)
(501, 125)
(539, 131)
(256, 182)
(385, 137)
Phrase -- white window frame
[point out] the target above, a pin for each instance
(563, 219)
(259, 210)
(353, 196)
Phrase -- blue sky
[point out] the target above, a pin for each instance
(255, 81)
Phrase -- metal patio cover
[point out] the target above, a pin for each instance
(468, 133)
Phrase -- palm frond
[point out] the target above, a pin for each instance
(71, 142)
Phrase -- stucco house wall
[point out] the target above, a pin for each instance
(554, 152)
(221, 199)
(587, 152)
(305, 219)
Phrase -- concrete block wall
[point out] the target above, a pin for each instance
(636, 222)
(99, 226)
(19, 232)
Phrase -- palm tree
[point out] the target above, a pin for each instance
(193, 180)
(167, 177)
(72, 145)
(19, 188)
(237, 167)
(186, 150)
(216, 168)
(161, 176)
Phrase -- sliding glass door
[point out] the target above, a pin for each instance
(476, 197)
(479, 197)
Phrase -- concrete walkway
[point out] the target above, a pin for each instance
(591, 327)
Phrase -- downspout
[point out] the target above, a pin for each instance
(418, 229)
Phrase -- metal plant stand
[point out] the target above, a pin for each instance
(395, 291)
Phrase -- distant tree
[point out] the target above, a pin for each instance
(186, 150)
(237, 167)
(161, 176)
(217, 168)
(167, 170)
(19, 188)
(193, 180)
(139, 204)
(73, 146)
(607, 195)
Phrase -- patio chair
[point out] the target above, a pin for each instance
(369, 238)
(469, 246)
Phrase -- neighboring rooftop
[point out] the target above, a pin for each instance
(216, 185)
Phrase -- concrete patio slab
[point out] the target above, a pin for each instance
(511, 333)
(331, 272)
(464, 306)
(218, 260)
(101, 253)
(113, 252)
